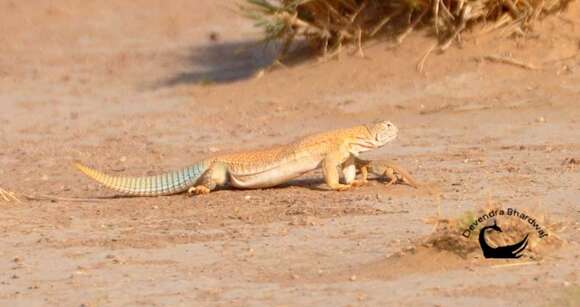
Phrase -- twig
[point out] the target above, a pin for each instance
(8, 196)
(512, 8)
(355, 15)
(510, 61)
(442, 107)
(465, 16)
(337, 49)
(447, 12)
(421, 63)
(411, 27)
(499, 23)
(513, 264)
(359, 43)
(436, 15)
(382, 23)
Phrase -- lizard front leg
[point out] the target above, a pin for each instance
(214, 176)
(330, 166)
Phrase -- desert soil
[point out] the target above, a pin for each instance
(140, 87)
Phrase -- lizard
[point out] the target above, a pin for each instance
(389, 169)
(263, 168)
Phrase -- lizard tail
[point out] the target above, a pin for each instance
(165, 184)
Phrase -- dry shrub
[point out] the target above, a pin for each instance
(448, 233)
(328, 24)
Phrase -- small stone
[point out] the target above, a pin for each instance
(352, 278)
(295, 276)
(123, 159)
(247, 197)
(541, 119)
(214, 36)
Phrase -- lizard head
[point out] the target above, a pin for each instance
(374, 136)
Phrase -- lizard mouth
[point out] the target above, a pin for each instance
(367, 145)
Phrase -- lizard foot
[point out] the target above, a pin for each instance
(390, 183)
(341, 187)
(198, 190)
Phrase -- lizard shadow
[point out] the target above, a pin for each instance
(308, 183)
(226, 62)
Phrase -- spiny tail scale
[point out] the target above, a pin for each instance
(164, 184)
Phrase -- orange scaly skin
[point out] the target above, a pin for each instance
(265, 167)
(389, 169)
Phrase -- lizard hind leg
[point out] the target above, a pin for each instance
(349, 173)
(208, 181)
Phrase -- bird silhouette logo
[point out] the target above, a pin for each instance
(509, 251)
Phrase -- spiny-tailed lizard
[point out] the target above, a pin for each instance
(265, 167)
(389, 169)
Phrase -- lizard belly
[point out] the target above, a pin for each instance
(274, 176)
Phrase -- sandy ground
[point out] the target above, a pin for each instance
(139, 87)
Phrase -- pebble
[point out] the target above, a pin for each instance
(214, 36)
